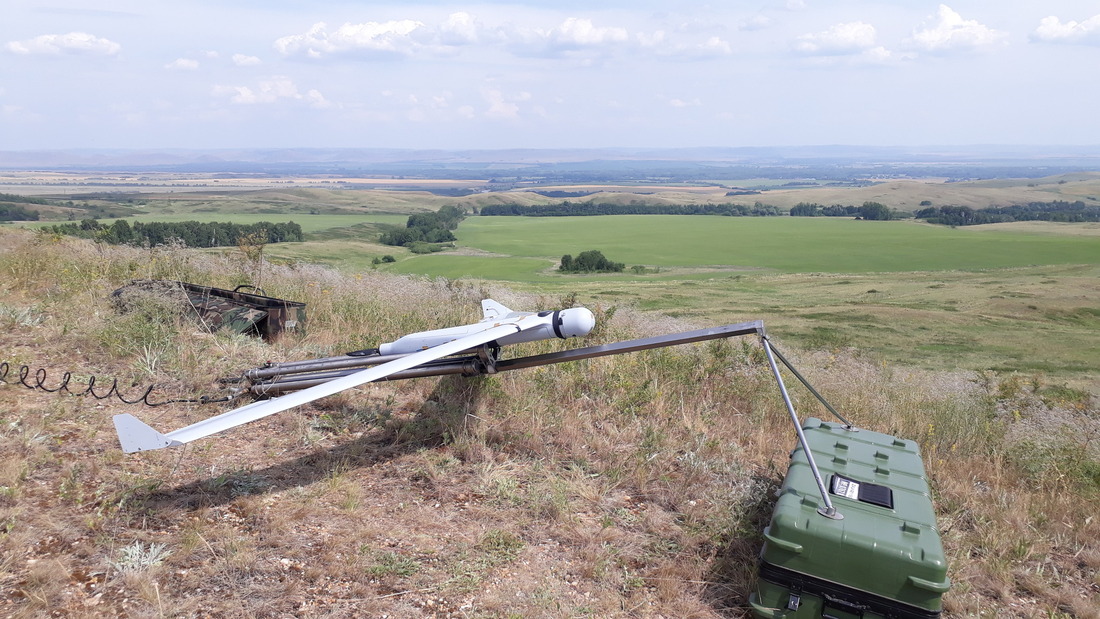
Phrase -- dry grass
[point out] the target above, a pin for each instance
(632, 486)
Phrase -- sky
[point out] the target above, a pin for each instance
(205, 74)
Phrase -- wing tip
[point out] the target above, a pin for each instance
(134, 435)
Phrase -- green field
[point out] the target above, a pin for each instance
(1011, 298)
(528, 247)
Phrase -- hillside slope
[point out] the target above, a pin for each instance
(630, 486)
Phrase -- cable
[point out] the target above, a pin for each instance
(38, 382)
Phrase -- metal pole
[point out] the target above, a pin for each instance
(284, 384)
(646, 343)
(807, 384)
(312, 365)
(828, 510)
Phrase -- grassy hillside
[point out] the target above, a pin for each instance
(900, 194)
(630, 486)
(907, 195)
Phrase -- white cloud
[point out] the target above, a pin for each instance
(500, 106)
(272, 90)
(1054, 30)
(575, 34)
(841, 39)
(71, 43)
(877, 55)
(657, 39)
(377, 38)
(658, 43)
(242, 60)
(577, 38)
(713, 47)
(578, 32)
(571, 36)
(183, 64)
(680, 103)
(317, 100)
(756, 22)
(949, 31)
(459, 29)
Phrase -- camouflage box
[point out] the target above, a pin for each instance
(243, 312)
(246, 312)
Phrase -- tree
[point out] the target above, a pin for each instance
(119, 233)
(805, 209)
(839, 210)
(875, 211)
(591, 261)
(426, 228)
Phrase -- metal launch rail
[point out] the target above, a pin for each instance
(280, 378)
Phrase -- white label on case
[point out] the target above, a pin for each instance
(846, 488)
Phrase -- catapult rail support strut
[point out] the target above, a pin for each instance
(827, 509)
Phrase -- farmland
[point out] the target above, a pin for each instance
(788, 245)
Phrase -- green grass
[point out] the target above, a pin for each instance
(345, 254)
(474, 267)
(782, 244)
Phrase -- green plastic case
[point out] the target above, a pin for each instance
(884, 558)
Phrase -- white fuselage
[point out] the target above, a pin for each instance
(572, 322)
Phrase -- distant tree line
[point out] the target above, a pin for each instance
(869, 210)
(10, 211)
(192, 233)
(1058, 210)
(423, 229)
(11, 197)
(591, 261)
(573, 209)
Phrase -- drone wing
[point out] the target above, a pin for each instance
(137, 436)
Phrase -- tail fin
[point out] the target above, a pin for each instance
(491, 310)
(134, 435)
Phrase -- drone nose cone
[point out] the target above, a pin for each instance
(576, 322)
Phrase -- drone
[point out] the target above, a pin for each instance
(468, 350)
